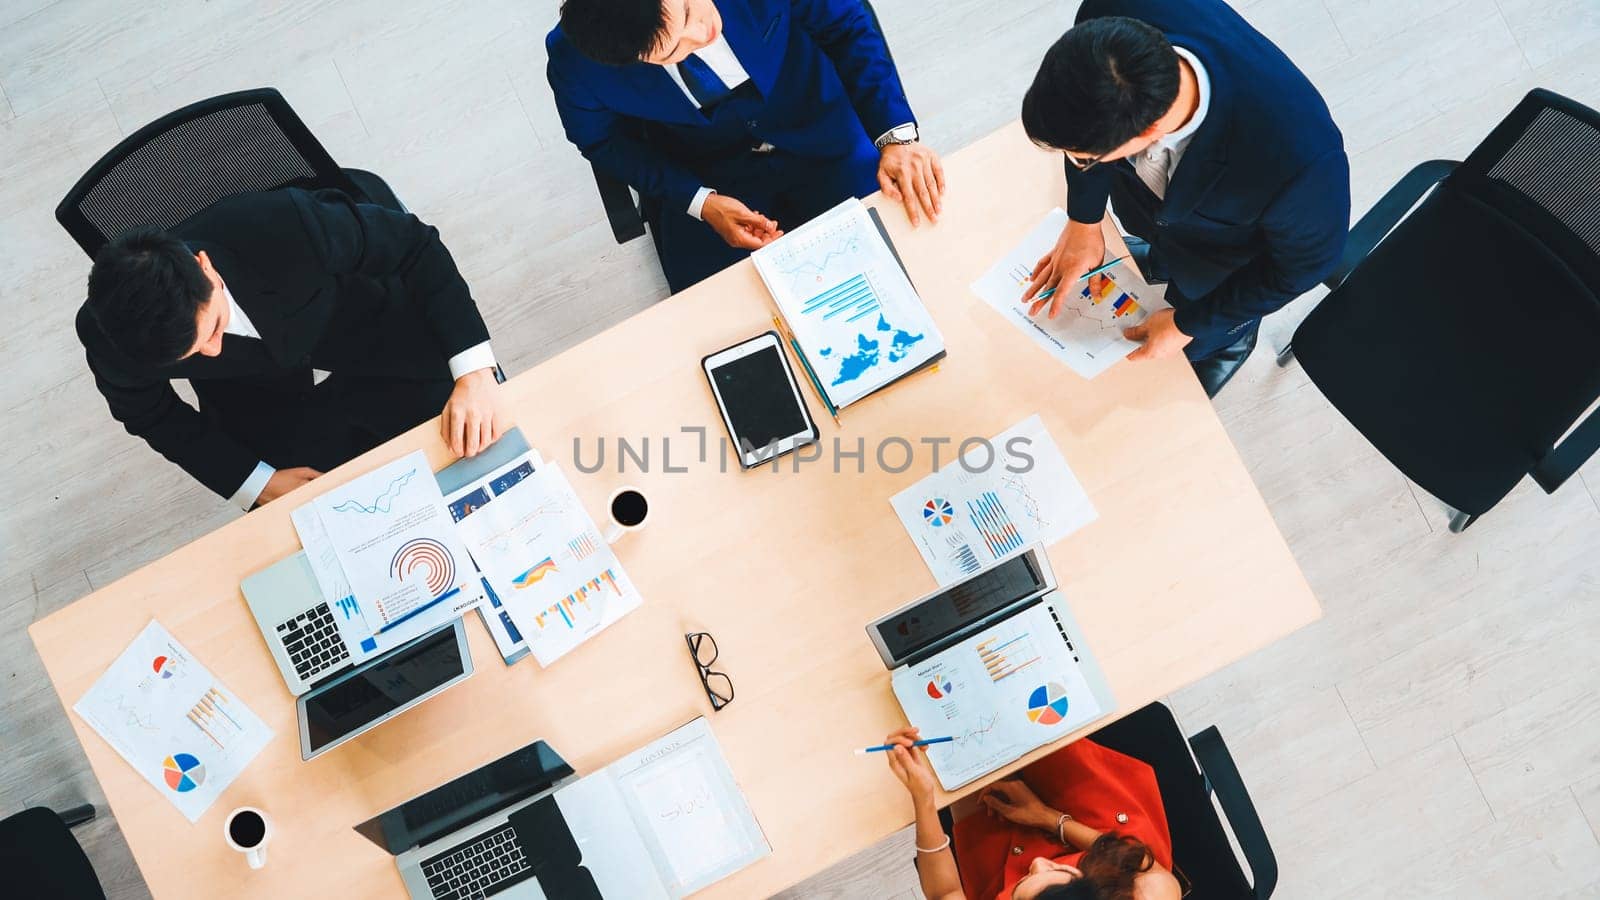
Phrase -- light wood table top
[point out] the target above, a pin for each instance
(1183, 573)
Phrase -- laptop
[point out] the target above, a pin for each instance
(376, 691)
(457, 840)
(995, 661)
(303, 633)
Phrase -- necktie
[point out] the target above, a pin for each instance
(707, 89)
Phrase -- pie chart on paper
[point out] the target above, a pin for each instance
(938, 512)
(183, 772)
(1047, 705)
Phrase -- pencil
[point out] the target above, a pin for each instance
(816, 383)
(884, 747)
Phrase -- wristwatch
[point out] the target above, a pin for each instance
(900, 134)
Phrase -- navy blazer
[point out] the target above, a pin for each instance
(1258, 208)
(821, 66)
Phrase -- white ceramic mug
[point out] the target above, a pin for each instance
(635, 511)
(255, 854)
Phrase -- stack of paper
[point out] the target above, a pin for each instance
(853, 311)
(183, 732)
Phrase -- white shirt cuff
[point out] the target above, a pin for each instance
(471, 360)
(247, 494)
(699, 201)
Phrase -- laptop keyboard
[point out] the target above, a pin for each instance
(478, 867)
(312, 639)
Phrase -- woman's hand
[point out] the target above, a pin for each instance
(1016, 802)
(910, 765)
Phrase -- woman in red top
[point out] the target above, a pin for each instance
(1084, 822)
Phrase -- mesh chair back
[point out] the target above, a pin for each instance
(189, 159)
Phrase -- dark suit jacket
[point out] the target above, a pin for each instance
(1258, 207)
(821, 66)
(329, 283)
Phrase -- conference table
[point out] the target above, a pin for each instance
(784, 567)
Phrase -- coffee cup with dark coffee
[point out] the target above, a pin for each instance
(248, 830)
(629, 510)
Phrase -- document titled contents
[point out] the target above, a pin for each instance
(387, 539)
(1000, 694)
(978, 509)
(179, 728)
(1086, 333)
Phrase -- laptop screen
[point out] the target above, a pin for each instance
(364, 696)
(926, 624)
(475, 795)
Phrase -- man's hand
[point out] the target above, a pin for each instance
(910, 765)
(473, 417)
(912, 174)
(1080, 248)
(1160, 336)
(738, 224)
(283, 481)
(1016, 802)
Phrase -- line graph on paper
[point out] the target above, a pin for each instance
(383, 502)
(1026, 499)
(978, 733)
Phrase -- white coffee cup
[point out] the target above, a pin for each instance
(244, 825)
(628, 510)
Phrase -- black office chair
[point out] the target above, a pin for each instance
(190, 158)
(1462, 339)
(1203, 861)
(627, 212)
(40, 858)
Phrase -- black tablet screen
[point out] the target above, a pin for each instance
(760, 403)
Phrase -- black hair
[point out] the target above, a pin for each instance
(1101, 85)
(145, 291)
(614, 32)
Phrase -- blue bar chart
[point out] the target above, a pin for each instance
(851, 299)
(993, 522)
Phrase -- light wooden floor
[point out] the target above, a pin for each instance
(1433, 736)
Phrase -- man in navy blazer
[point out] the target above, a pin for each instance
(736, 119)
(1218, 156)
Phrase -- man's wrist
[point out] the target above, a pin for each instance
(905, 133)
(476, 375)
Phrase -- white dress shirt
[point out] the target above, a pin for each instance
(471, 359)
(1157, 162)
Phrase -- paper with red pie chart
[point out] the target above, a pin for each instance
(181, 730)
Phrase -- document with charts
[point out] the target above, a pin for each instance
(180, 729)
(395, 545)
(1018, 685)
(848, 302)
(981, 507)
(557, 580)
(1086, 333)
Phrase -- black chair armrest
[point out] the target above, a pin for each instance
(1223, 779)
(1565, 458)
(77, 815)
(626, 222)
(1387, 213)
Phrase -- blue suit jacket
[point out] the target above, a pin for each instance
(821, 66)
(1258, 208)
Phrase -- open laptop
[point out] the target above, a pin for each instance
(457, 840)
(995, 661)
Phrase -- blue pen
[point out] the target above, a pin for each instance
(884, 747)
(1048, 292)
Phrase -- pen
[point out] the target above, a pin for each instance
(1048, 292)
(883, 747)
(816, 383)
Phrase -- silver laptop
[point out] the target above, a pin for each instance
(459, 841)
(376, 691)
(302, 632)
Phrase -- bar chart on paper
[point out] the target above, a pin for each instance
(990, 516)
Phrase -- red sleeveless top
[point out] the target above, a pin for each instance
(1088, 781)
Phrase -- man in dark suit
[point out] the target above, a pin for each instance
(251, 297)
(736, 119)
(1217, 155)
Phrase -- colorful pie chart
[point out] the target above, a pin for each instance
(162, 666)
(939, 688)
(183, 772)
(938, 512)
(1047, 705)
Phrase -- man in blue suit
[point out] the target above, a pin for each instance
(1218, 157)
(736, 119)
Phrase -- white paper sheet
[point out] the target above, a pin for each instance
(1000, 694)
(1086, 333)
(182, 730)
(546, 561)
(848, 302)
(396, 545)
(472, 498)
(962, 521)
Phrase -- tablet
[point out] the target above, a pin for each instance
(760, 400)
